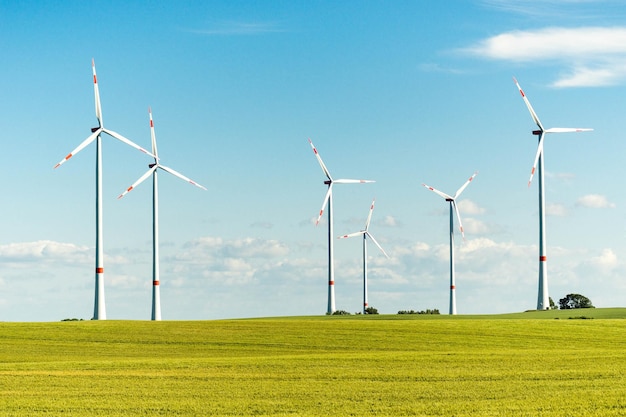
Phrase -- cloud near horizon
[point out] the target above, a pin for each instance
(592, 56)
(594, 201)
(44, 250)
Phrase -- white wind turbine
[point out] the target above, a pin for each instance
(328, 201)
(99, 312)
(543, 298)
(156, 295)
(453, 208)
(365, 233)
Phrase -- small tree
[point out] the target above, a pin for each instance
(572, 301)
(371, 310)
(341, 313)
(552, 305)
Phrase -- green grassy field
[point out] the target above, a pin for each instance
(527, 364)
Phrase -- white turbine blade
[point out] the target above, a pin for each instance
(344, 181)
(127, 141)
(139, 181)
(460, 190)
(434, 190)
(96, 93)
(181, 176)
(530, 108)
(567, 129)
(376, 243)
(80, 147)
(537, 155)
(328, 193)
(152, 135)
(362, 232)
(319, 159)
(458, 216)
(369, 216)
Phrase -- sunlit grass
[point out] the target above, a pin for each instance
(527, 364)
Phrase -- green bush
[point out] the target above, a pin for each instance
(340, 313)
(371, 310)
(427, 311)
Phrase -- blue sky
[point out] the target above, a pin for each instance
(403, 93)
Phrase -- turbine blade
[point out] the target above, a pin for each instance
(458, 216)
(152, 135)
(362, 232)
(127, 141)
(344, 181)
(369, 216)
(139, 181)
(96, 93)
(434, 190)
(376, 243)
(319, 159)
(181, 176)
(328, 193)
(460, 190)
(568, 129)
(537, 155)
(530, 108)
(80, 147)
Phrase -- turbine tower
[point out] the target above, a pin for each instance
(99, 310)
(156, 294)
(328, 201)
(365, 233)
(543, 298)
(453, 208)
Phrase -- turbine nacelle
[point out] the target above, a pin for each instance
(542, 131)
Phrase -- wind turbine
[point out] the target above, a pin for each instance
(99, 311)
(156, 295)
(365, 233)
(328, 201)
(543, 299)
(453, 207)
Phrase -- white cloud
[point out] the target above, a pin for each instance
(469, 207)
(558, 210)
(44, 251)
(593, 56)
(476, 227)
(389, 221)
(606, 260)
(236, 248)
(594, 201)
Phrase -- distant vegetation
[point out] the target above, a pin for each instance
(572, 301)
(428, 311)
(340, 313)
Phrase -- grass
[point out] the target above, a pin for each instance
(527, 364)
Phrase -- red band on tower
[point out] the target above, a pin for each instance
(543, 258)
(99, 270)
